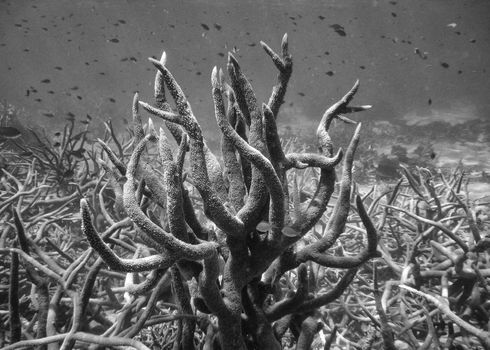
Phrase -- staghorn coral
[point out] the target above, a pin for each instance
(234, 266)
(241, 250)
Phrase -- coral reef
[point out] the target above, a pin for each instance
(260, 247)
(252, 191)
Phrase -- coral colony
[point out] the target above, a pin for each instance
(236, 251)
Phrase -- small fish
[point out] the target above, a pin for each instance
(204, 26)
(9, 132)
(57, 144)
(302, 94)
(290, 232)
(422, 55)
(263, 226)
(321, 17)
(46, 81)
(329, 73)
(113, 40)
(452, 25)
(78, 153)
(338, 29)
(48, 114)
(445, 65)
(429, 101)
(217, 26)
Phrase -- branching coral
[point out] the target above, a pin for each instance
(181, 248)
(236, 266)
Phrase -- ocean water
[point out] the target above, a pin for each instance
(423, 65)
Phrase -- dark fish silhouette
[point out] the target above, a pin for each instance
(114, 40)
(48, 114)
(9, 132)
(217, 26)
(329, 73)
(78, 153)
(422, 55)
(45, 81)
(445, 65)
(338, 29)
(204, 26)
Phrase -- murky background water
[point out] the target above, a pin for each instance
(419, 62)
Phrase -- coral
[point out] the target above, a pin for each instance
(235, 265)
(181, 248)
